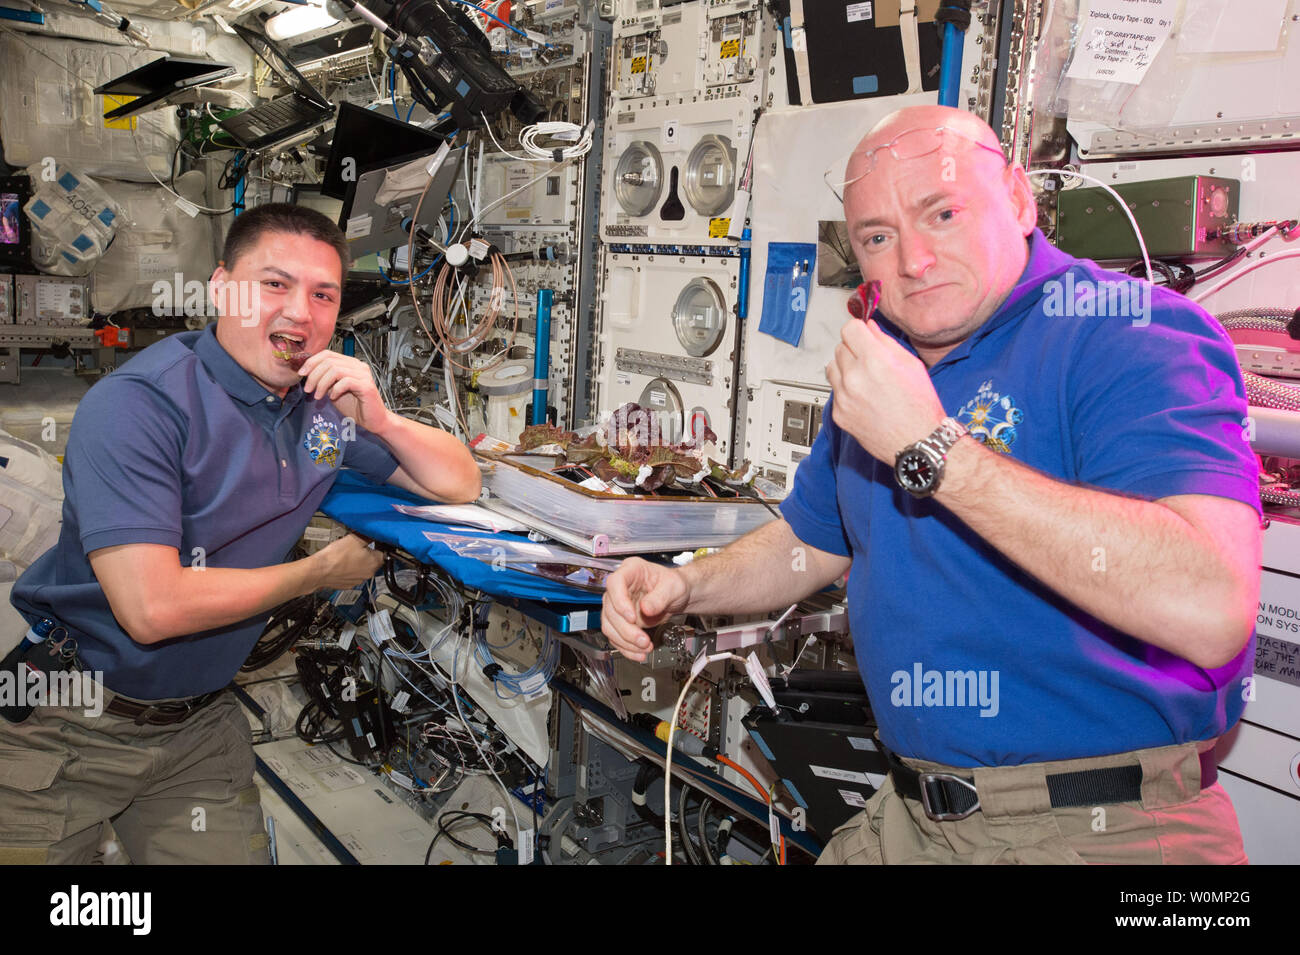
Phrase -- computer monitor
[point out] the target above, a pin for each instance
(15, 230)
(376, 214)
(365, 138)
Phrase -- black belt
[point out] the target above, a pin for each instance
(159, 714)
(947, 796)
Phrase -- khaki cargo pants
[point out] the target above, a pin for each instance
(1176, 822)
(182, 793)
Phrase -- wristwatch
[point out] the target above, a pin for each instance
(918, 468)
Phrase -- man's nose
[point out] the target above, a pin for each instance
(296, 304)
(915, 257)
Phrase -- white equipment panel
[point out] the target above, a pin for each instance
(671, 171)
(669, 340)
(1261, 755)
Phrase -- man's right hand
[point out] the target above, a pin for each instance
(638, 595)
(346, 562)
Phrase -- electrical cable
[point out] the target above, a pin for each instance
(683, 832)
(443, 830)
(531, 680)
(465, 722)
(1142, 245)
(392, 90)
(135, 138)
(1229, 279)
(509, 26)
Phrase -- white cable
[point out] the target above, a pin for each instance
(1259, 263)
(145, 162)
(579, 135)
(1146, 259)
(1266, 236)
(703, 660)
(241, 95)
(488, 126)
(469, 191)
(510, 800)
(668, 772)
(478, 178)
(374, 368)
(453, 401)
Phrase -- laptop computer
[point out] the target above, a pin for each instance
(375, 217)
(369, 138)
(284, 116)
(154, 84)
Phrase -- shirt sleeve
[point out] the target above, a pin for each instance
(1159, 409)
(123, 465)
(368, 456)
(812, 508)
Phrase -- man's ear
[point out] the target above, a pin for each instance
(216, 284)
(1022, 200)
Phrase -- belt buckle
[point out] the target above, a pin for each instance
(925, 779)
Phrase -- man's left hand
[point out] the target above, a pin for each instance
(347, 382)
(883, 395)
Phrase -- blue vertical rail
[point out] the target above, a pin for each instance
(542, 355)
(742, 294)
(950, 65)
(953, 18)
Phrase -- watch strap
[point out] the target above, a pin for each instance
(948, 433)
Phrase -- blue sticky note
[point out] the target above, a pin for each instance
(786, 289)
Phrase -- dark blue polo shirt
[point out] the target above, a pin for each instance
(968, 660)
(181, 446)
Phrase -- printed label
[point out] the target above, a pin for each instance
(858, 11)
(844, 775)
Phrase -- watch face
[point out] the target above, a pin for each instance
(915, 471)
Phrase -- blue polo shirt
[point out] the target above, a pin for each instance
(181, 446)
(968, 660)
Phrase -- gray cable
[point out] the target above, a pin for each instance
(1266, 393)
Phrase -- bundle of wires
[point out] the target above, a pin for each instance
(288, 624)
(578, 138)
(449, 301)
(518, 684)
(455, 746)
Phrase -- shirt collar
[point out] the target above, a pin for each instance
(230, 375)
(1045, 261)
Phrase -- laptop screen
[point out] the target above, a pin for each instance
(279, 64)
(369, 138)
(162, 75)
